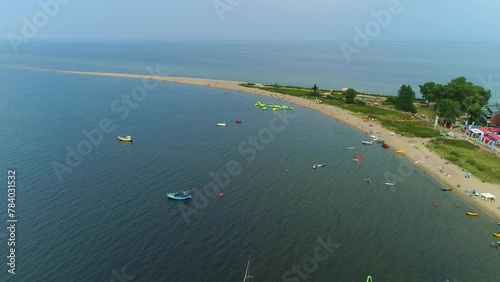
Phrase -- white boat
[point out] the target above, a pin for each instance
(351, 148)
(221, 124)
(318, 165)
(389, 183)
(419, 162)
(247, 272)
(367, 142)
(367, 180)
(127, 138)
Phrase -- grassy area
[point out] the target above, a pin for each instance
(402, 123)
(482, 164)
(428, 111)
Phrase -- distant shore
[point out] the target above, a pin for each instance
(448, 174)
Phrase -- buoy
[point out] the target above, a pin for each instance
(221, 194)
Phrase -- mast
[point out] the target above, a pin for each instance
(247, 271)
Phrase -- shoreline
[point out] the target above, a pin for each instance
(416, 150)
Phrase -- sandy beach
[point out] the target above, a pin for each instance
(448, 174)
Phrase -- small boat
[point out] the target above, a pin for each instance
(496, 235)
(318, 165)
(400, 151)
(184, 195)
(380, 141)
(367, 142)
(385, 146)
(351, 148)
(127, 138)
(367, 180)
(446, 189)
(238, 121)
(389, 183)
(375, 139)
(472, 213)
(221, 124)
(419, 162)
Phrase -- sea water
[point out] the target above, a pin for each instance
(107, 218)
(381, 67)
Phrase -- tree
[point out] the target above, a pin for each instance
(427, 91)
(350, 95)
(431, 91)
(471, 98)
(405, 99)
(449, 109)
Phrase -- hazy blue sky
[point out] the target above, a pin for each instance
(419, 20)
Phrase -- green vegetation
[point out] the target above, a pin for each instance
(405, 99)
(249, 84)
(456, 98)
(426, 111)
(482, 164)
(350, 95)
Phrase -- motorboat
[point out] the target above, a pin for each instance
(318, 165)
(367, 142)
(472, 213)
(221, 124)
(184, 195)
(446, 188)
(127, 138)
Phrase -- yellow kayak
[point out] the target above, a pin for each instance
(472, 213)
(400, 151)
(496, 235)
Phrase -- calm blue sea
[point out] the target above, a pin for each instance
(381, 67)
(107, 218)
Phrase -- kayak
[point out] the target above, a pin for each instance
(472, 213)
(389, 183)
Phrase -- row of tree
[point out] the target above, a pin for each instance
(456, 98)
(452, 100)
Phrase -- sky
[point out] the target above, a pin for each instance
(294, 20)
